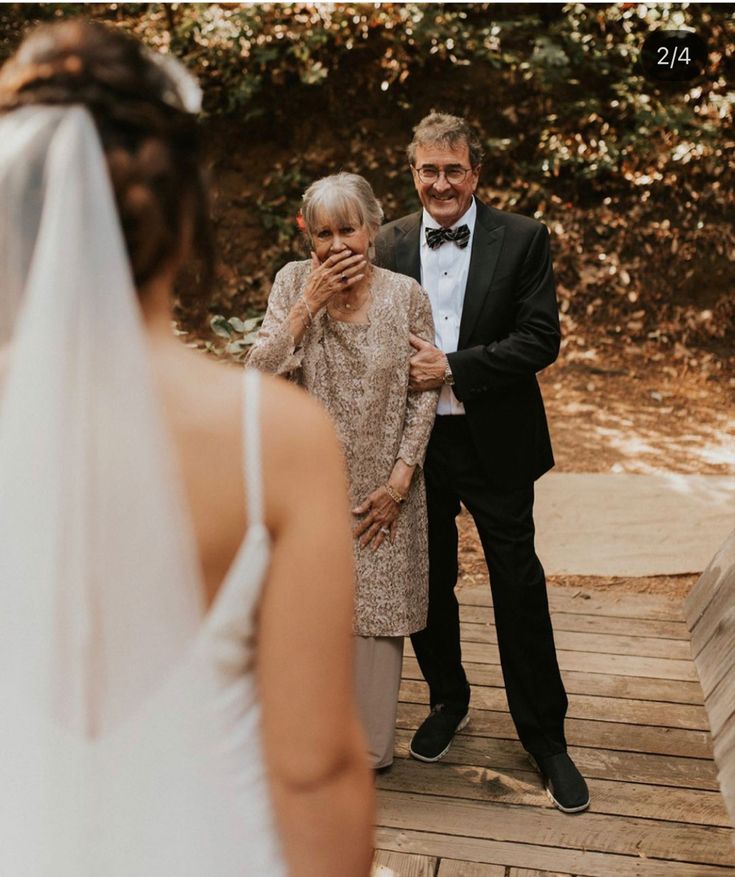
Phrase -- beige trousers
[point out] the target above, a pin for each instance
(378, 662)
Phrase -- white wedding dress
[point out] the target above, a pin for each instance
(130, 742)
(199, 804)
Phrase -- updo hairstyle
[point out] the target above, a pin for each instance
(151, 143)
(342, 198)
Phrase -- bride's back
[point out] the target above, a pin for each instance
(289, 617)
(203, 404)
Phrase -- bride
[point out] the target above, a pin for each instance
(173, 533)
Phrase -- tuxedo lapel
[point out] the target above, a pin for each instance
(487, 242)
(408, 259)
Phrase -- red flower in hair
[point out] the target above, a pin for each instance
(300, 221)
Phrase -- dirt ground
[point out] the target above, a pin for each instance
(635, 412)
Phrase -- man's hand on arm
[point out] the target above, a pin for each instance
(428, 366)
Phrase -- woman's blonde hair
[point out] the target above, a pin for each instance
(344, 198)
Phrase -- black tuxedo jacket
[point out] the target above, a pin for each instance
(509, 331)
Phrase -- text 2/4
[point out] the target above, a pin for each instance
(673, 56)
(678, 56)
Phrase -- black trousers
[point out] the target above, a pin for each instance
(504, 522)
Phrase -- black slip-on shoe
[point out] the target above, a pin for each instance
(435, 734)
(564, 784)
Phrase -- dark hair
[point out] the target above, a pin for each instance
(445, 129)
(152, 145)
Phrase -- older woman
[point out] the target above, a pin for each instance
(340, 327)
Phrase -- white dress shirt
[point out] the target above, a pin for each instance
(444, 277)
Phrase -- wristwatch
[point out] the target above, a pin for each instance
(448, 376)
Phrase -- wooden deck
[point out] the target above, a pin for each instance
(636, 728)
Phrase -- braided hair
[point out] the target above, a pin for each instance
(152, 145)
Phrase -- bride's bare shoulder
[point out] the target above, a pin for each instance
(291, 419)
(301, 455)
(296, 430)
(294, 421)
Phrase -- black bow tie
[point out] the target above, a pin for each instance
(435, 237)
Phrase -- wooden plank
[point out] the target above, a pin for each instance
(716, 661)
(634, 767)
(599, 684)
(582, 863)
(587, 602)
(581, 732)
(634, 712)
(623, 665)
(718, 607)
(720, 706)
(673, 841)
(453, 868)
(609, 644)
(592, 623)
(387, 863)
(725, 757)
(711, 617)
(525, 872)
(593, 662)
(724, 745)
(524, 788)
(702, 593)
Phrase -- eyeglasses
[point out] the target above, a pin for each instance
(453, 174)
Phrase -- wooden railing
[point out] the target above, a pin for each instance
(710, 616)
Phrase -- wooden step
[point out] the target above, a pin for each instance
(580, 732)
(599, 684)
(633, 767)
(633, 712)
(391, 864)
(604, 643)
(580, 601)
(524, 788)
(556, 860)
(629, 836)
(569, 621)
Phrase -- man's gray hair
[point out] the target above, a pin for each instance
(343, 199)
(448, 131)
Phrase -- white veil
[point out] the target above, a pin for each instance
(100, 596)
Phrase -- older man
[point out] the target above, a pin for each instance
(489, 277)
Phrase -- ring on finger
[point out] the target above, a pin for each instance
(385, 530)
(343, 278)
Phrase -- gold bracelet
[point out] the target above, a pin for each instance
(394, 494)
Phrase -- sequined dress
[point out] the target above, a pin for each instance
(360, 374)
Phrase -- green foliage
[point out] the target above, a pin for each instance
(635, 179)
(238, 335)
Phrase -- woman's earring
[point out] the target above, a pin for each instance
(371, 252)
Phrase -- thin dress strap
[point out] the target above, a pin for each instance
(252, 451)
